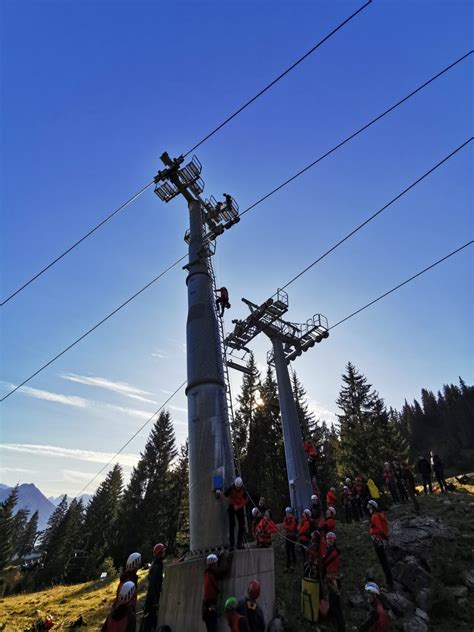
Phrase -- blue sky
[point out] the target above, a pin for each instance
(94, 92)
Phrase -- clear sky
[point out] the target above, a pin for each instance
(94, 92)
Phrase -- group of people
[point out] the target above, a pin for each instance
(122, 617)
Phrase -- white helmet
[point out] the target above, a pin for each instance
(211, 558)
(348, 480)
(332, 489)
(331, 511)
(254, 512)
(372, 504)
(345, 487)
(134, 561)
(372, 587)
(331, 535)
(307, 512)
(289, 510)
(126, 592)
(238, 482)
(314, 497)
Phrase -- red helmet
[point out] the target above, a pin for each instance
(254, 590)
(158, 550)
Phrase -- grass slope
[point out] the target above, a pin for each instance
(92, 600)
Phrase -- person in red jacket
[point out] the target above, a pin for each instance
(236, 622)
(122, 618)
(330, 569)
(238, 499)
(379, 531)
(378, 620)
(304, 532)
(390, 481)
(290, 530)
(328, 524)
(315, 555)
(264, 531)
(212, 574)
(357, 499)
(223, 299)
(331, 499)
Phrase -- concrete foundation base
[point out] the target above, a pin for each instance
(181, 597)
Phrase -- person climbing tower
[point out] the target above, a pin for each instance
(222, 301)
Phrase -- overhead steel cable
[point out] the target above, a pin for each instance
(359, 131)
(157, 412)
(79, 241)
(346, 318)
(411, 186)
(89, 331)
(374, 215)
(202, 141)
(277, 79)
(397, 287)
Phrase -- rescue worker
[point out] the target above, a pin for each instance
(122, 618)
(329, 523)
(378, 620)
(389, 479)
(312, 456)
(264, 531)
(236, 622)
(438, 468)
(133, 563)
(262, 505)
(347, 504)
(238, 499)
(155, 582)
(399, 480)
(304, 532)
(212, 575)
(424, 468)
(250, 609)
(357, 499)
(331, 566)
(222, 301)
(290, 531)
(331, 498)
(314, 555)
(379, 531)
(315, 508)
(410, 485)
(256, 517)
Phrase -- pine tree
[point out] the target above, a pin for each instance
(100, 524)
(246, 401)
(180, 478)
(148, 505)
(29, 537)
(264, 466)
(20, 521)
(305, 416)
(7, 509)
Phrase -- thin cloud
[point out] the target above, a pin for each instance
(159, 353)
(91, 456)
(122, 388)
(58, 398)
(19, 470)
(178, 409)
(321, 412)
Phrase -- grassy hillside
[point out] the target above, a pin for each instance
(92, 600)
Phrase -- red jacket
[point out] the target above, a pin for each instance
(290, 525)
(211, 586)
(346, 497)
(238, 623)
(378, 620)
(304, 529)
(329, 524)
(310, 450)
(237, 497)
(331, 499)
(379, 525)
(331, 561)
(264, 530)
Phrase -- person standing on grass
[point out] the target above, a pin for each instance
(424, 468)
(330, 567)
(290, 530)
(379, 531)
(438, 467)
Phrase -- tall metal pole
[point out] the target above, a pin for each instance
(299, 479)
(210, 449)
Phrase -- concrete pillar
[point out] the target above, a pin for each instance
(299, 479)
(210, 448)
